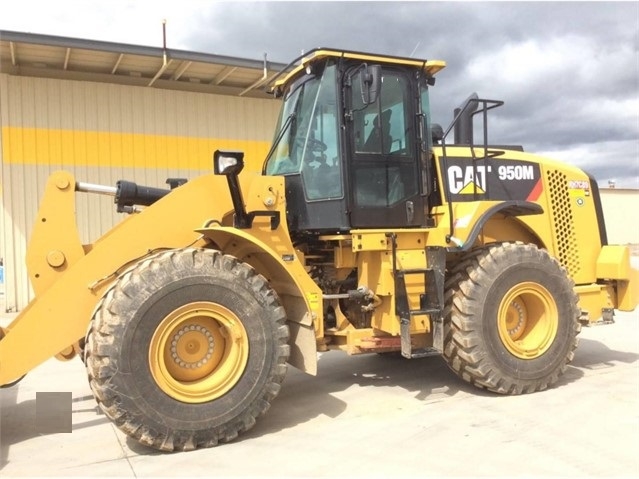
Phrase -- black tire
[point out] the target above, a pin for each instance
(146, 335)
(511, 319)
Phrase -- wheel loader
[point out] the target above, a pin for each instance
(368, 230)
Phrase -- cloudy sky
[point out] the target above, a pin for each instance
(568, 72)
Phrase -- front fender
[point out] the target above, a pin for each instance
(272, 255)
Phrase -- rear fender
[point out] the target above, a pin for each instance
(476, 220)
(505, 208)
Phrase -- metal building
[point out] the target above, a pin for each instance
(107, 111)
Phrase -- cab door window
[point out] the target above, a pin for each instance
(383, 135)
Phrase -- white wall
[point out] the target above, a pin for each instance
(621, 214)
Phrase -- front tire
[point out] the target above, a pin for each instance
(187, 349)
(511, 319)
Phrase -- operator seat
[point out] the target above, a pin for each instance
(380, 140)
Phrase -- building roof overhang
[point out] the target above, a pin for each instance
(48, 56)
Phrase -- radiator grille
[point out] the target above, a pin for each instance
(563, 223)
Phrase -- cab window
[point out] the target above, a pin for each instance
(383, 135)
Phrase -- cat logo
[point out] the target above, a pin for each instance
(468, 180)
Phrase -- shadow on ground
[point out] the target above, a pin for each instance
(18, 420)
(596, 355)
(305, 397)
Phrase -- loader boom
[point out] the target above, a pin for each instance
(62, 274)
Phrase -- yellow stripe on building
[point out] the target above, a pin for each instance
(43, 146)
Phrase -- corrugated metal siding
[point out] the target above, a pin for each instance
(104, 132)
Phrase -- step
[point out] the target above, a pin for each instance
(422, 312)
(423, 353)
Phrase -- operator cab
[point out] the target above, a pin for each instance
(353, 142)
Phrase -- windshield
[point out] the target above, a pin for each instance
(276, 162)
(306, 141)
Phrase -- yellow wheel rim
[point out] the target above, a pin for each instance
(198, 352)
(527, 320)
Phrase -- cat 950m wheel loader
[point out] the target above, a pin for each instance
(366, 231)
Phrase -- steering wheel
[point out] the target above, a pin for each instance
(316, 145)
(313, 145)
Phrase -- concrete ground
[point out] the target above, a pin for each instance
(368, 416)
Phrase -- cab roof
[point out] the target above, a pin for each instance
(431, 67)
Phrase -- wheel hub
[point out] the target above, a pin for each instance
(198, 352)
(527, 320)
(192, 346)
(516, 318)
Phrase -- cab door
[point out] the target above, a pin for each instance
(383, 167)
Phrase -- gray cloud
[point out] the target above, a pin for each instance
(568, 71)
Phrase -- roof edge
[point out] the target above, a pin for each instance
(114, 47)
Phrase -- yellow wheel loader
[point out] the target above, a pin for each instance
(368, 230)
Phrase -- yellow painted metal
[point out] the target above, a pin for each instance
(351, 339)
(375, 271)
(377, 240)
(429, 66)
(372, 249)
(613, 262)
(198, 352)
(55, 243)
(594, 298)
(591, 263)
(412, 257)
(500, 228)
(370, 241)
(344, 255)
(568, 210)
(58, 316)
(628, 292)
(527, 320)
(271, 253)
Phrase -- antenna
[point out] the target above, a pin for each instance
(415, 49)
(164, 34)
(165, 63)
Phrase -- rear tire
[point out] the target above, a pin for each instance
(187, 349)
(511, 319)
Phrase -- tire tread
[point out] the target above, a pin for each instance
(464, 350)
(107, 319)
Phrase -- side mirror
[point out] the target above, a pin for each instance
(436, 132)
(228, 163)
(370, 82)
